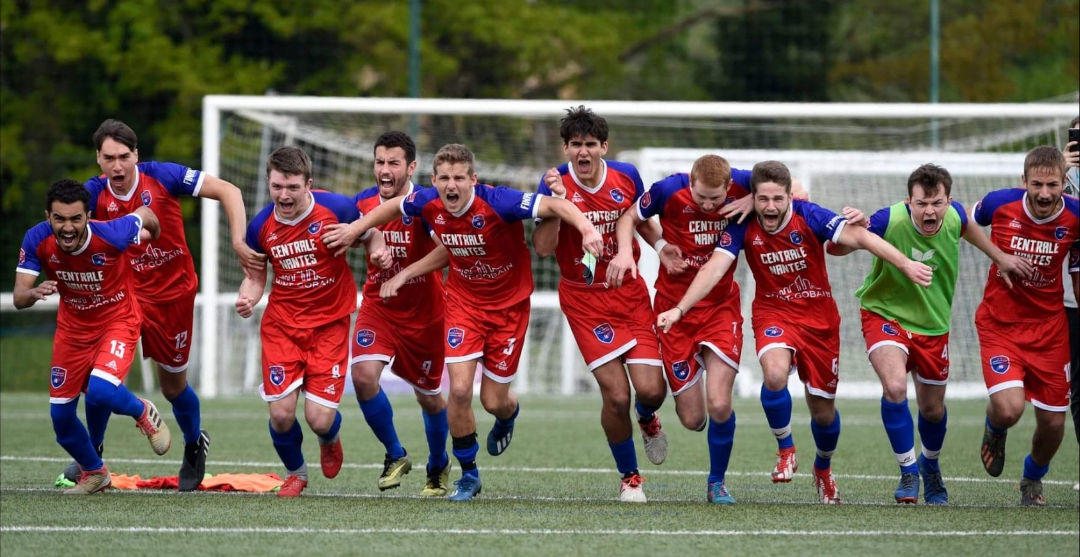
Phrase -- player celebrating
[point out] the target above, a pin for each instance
(403, 331)
(1023, 339)
(165, 278)
(97, 323)
(906, 327)
(305, 328)
(796, 324)
(612, 325)
(487, 292)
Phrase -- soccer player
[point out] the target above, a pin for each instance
(612, 325)
(96, 326)
(404, 331)
(1072, 187)
(487, 292)
(1023, 341)
(795, 320)
(305, 328)
(165, 279)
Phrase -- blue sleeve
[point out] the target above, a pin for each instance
(95, 186)
(177, 178)
(988, 205)
(879, 221)
(28, 257)
(959, 207)
(741, 177)
(825, 223)
(413, 205)
(119, 232)
(344, 208)
(731, 239)
(256, 224)
(632, 172)
(510, 204)
(653, 201)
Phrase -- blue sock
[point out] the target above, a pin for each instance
(932, 436)
(331, 434)
(1033, 471)
(825, 438)
(380, 417)
(645, 413)
(625, 455)
(437, 430)
(186, 409)
(117, 398)
(994, 428)
(777, 405)
(465, 449)
(72, 436)
(287, 445)
(901, 431)
(721, 438)
(97, 419)
(501, 423)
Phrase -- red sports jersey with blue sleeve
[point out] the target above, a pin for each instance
(1044, 242)
(620, 185)
(94, 281)
(490, 264)
(164, 269)
(789, 264)
(694, 232)
(311, 286)
(409, 239)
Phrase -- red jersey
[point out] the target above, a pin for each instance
(620, 185)
(94, 282)
(409, 240)
(312, 286)
(1045, 243)
(694, 232)
(789, 264)
(490, 264)
(164, 269)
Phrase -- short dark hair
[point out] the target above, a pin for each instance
(770, 171)
(1044, 156)
(117, 130)
(454, 153)
(581, 122)
(290, 161)
(397, 139)
(1074, 122)
(67, 191)
(930, 176)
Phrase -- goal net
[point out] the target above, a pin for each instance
(846, 154)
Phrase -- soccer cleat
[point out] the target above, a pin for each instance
(292, 487)
(786, 465)
(73, 470)
(934, 492)
(499, 438)
(93, 481)
(630, 490)
(827, 492)
(655, 440)
(466, 488)
(1031, 493)
(908, 490)
(718, 494)
(436, 482)
(330, 458)
(392, 471)
(193, 468)
(993, 451)
(154, 428)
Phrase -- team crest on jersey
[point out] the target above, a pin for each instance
(1060, 232)
(773, 332)
(646, 200)
(455, 336)
(315, 227)
(277, 375)
(478, 221)
(725, 239)
(365, 337)
(57, 376)
(406, 220)
(617, 195)
(576, 198)
(889, 329)
(98, 259)
(604, 333)
(146, 199)
(796, 238)
(681, 370)
(1000, 364)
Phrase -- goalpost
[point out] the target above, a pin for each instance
(846, 154)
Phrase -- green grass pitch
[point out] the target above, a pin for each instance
(554, 491)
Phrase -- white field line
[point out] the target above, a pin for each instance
(515, 469)
(526, 531)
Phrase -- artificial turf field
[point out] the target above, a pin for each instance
(554, 491)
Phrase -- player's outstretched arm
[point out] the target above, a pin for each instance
(232, 202)
(26, 294)
(1009, 266)
(591, 241)
(341, 236)
(151, 227)
(861, 238)
(546, 235)
(707, 276)
(434, 260)
(251, 291)
(853, 216)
